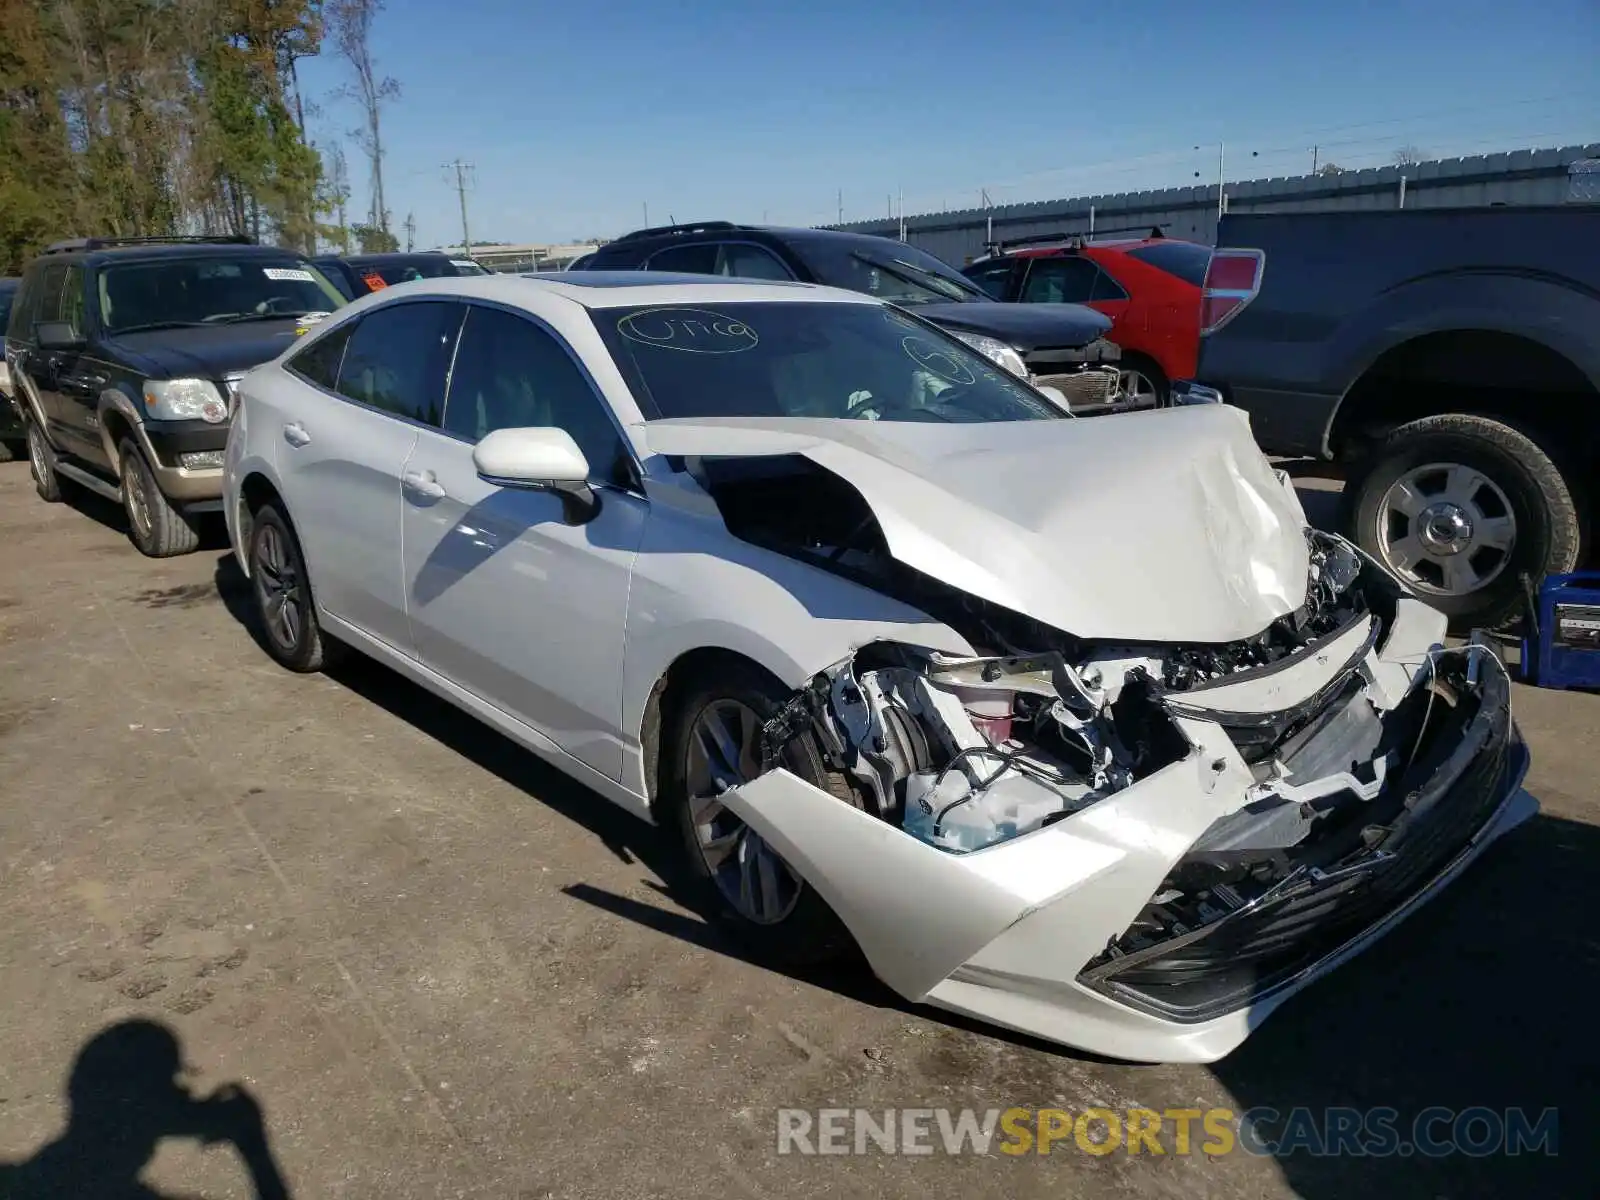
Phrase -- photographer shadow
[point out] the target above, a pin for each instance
(125, 1094)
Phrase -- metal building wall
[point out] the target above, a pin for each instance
(1519, 177)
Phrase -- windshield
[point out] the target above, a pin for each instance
(857, 361)
(894, 271)
(176, 292)
(415, 268)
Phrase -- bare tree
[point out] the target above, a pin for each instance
(1409, 155)
(350, 22)
(1330, 169)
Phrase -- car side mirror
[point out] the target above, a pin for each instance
(1058, 396)
(57, 335)
(541, 458)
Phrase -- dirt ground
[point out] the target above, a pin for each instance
(440, 969)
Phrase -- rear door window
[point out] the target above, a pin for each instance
(699, 259)
(397, 357)
(47, 306)
(1067, 279)
(744, 260)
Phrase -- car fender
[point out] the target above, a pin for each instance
(241, 460)
(697, 587)
(118, 400)
(1549, 311)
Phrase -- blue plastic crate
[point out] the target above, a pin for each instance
(1565, 652)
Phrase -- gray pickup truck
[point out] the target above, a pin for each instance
(1448, 359)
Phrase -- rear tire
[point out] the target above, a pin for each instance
(286, 611)
(155, 526)
(798, 928)
(1471, 482)
(42, 465)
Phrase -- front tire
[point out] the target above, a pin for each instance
(285, 610)
(1463, 508)
(710, 743)
(155, 526)
(1143, 384)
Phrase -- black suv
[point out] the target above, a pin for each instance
(1060, 346)
(358, 274)
(11, 434)
(124, 355)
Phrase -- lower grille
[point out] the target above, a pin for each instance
(1233, 959)
(1086, 390)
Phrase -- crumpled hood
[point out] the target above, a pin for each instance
(1025, 326)
(206, 351)
(1166, 526)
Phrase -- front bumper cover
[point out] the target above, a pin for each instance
(1016, 934)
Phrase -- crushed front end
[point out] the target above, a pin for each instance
(1141, 850)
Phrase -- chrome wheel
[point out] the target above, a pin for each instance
(1138, 389)
(723, 752)
(134, 498)
(36, 455)
(1447, 528)
(278, 588)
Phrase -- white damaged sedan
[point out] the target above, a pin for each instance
(1073, 726)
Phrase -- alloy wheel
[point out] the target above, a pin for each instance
(1138, 389)
(36, 455)
(1446, 528)
(723, 752)
(278, 589)
(135, 500)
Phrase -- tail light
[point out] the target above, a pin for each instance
(1232, 281)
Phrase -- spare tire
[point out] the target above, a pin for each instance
(1465, 509)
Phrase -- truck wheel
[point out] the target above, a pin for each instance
(42, 465)
(157, 528)
(1462, 508)
(709, 743)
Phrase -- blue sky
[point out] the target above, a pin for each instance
(577, 116)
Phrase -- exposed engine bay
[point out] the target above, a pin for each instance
(963, 752)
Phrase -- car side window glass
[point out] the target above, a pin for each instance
(1064, 280)
(72, 300)
(319, 362)
(47, 305)
(1107, 288)
(510, 373)
(397, 356)
(695, 260)
(994, 278)
(745, 261)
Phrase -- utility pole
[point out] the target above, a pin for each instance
(902, 214)
(411, 231)
(1314, 150)
(841, 206)
(647, 214)
(461, 169)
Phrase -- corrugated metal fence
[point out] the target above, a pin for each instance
(1519, 177)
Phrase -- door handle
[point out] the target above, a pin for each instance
(423, 483)
(296, 435)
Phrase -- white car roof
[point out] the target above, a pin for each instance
(621, 289)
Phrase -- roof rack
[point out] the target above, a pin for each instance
(692, 227)
(101, 243)
(1077, 240)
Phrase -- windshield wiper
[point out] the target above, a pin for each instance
(156, 325)
(240, 318)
